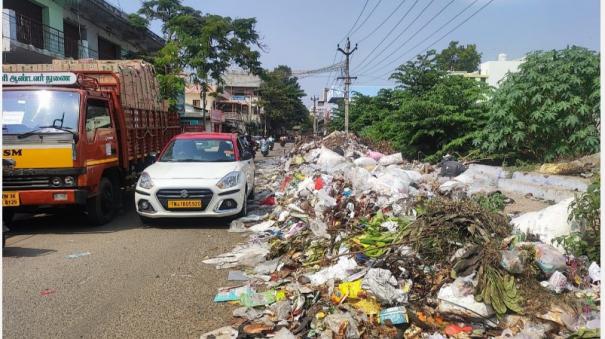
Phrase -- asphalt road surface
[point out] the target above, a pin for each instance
(138, 281)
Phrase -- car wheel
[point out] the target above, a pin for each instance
(244, 211)
(102, 208)
(146, 221)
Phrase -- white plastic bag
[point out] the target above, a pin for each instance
(329, 161)
(365, 162)
(547, 223)
(460, 292)
(392, 159)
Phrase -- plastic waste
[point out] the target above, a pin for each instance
(512, 261)
(454, 329)
(281, 309)
(594, 272)
(548, 223)
(319, 228)
(382, 284)
(342, 268)
(375, 155)
(237, 276)
(337, 321)
(236, 226)
(392, 159)
(267, 267)
(254, 299)
(329, 161)
(395, 315)
(549, 259)
(77, 255)
(247, 313)
(283, 333)
(231, 293)
(556, 283)
(319, 183)
(268, 201)
(350, 289)
(226, 332)
(248, 255)
(369, 306)
(366, 162)
(457, 299)
(262, 227)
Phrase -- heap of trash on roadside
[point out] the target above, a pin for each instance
(346, 242)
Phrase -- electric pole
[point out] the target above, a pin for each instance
(347, 78)
(314, 98)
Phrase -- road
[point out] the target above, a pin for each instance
(137, 281)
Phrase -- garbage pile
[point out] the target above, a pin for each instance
(346, 242)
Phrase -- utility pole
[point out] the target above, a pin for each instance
(314, 98)
(347, 78)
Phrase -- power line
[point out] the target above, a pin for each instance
(367, 17)
(442, 37)
(373, 65)
(404, 30)
(391, 31)
(356, 20)
(383, 22)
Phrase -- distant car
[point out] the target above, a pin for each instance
(197, 175)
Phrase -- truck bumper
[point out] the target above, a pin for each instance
(52, 197)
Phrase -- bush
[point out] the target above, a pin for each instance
(548, 110)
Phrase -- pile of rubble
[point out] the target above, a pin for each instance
(346, 242)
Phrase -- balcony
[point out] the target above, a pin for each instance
(28, 41)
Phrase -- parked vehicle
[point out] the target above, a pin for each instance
(271, 143)
(197, 175)
(264, 147)
(78, 137)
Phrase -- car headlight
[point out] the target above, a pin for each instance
(229, 180)
(145, 181)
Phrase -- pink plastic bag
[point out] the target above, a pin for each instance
(375, 155)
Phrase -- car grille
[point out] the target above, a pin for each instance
(203, 194)
(24, 183)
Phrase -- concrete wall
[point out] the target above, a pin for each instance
(496, 70)
(52, 13)
(93, 32)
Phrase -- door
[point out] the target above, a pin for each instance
(100, 134)
(245, 157)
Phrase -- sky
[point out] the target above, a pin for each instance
(304, 34)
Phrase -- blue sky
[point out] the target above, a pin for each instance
(304, 34)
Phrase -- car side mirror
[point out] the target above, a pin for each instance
(152, 157)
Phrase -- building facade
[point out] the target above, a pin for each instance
(496, 71)
(237, 104)
(37, 31)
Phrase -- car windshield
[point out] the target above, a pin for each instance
(26, 111)
(199, 150)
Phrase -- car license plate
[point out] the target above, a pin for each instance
(184, 204)
(10, 198)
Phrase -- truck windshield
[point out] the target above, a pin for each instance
(199, 150)
(37, 110)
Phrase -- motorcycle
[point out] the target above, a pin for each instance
(264, 148)
(271, 143)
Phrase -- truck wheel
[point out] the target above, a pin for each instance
(102, 208)
(7, 216)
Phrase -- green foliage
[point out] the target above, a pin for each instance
(138, 21)
(204, 44)
(585, 209)
(419, 76)
(281, 100)
(459, 58)
(548, 110)
(494, 202)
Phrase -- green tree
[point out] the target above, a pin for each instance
(204, 45)
(459, 58)
(281, 99)
(548, 110)
(420, 75)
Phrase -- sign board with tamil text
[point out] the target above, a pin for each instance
(50, 78)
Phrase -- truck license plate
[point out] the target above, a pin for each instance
(10, 198)
(184, 204)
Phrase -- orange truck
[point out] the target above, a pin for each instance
(79, 132)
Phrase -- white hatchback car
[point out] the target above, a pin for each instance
(197, 175)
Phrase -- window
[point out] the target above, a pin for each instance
(196, 103)
(97, 116)
(199, 150)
